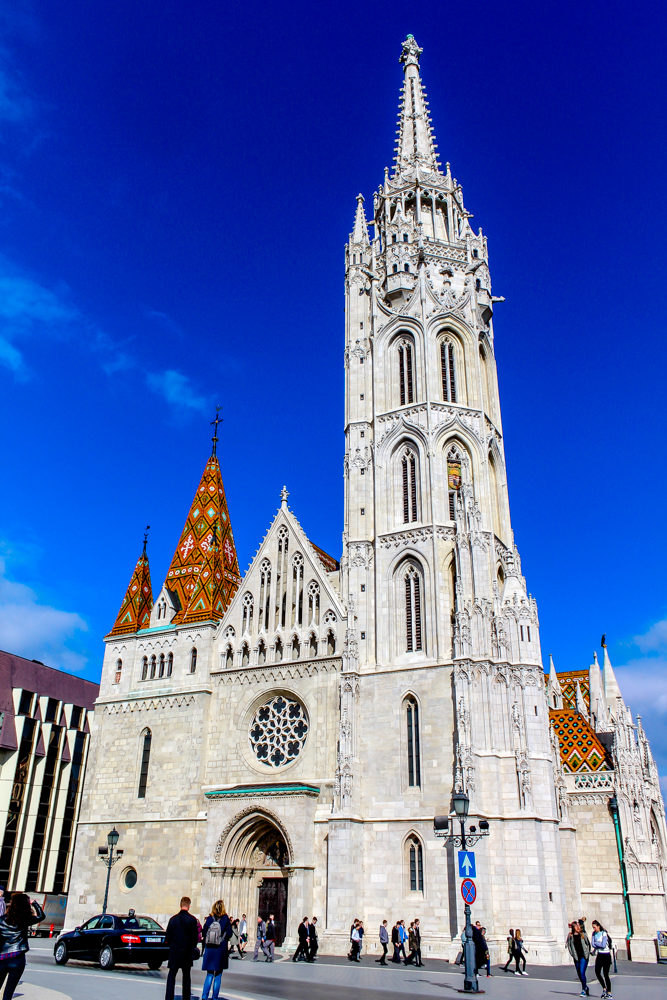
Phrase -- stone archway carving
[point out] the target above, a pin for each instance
(258, 833)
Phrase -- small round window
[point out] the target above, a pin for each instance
(278, 731)
(129, 879)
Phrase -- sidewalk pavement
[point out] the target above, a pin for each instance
(29, 992)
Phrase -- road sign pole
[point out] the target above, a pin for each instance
(470, 983)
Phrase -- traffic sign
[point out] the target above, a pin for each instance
(467, 864)
(468, 891)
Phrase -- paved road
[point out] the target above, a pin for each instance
(327, 979)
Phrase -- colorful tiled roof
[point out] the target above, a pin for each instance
(204, 573)
(330, 564)
(135, 611)
(568, 684)
(580, 748)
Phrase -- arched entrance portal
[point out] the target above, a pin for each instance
(255, 860)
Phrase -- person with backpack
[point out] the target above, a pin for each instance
(519, 953)
(579, 948)
(601, 944)
(216, 933)
(21, 913)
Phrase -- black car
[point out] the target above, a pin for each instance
(110, 938)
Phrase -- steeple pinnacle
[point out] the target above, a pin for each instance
(204, 574)
(135, 611)
(609, 683)
(360, 232)
(415, 147)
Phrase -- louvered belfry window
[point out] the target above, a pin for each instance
(405, 372)
(409, 486)
(413, 614)
(448, 374)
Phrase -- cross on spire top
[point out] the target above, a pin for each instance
(148, 528)
(218, 420)
(284, 495)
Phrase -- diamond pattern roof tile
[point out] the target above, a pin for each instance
(135, 611)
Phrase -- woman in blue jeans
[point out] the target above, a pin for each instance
(579, 947)
(216, 948)
(21, 914)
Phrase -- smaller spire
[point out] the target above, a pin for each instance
(554, 690)
(360, 232)
(214, 423)
(135, 611)
(283, 497)
(580, 702)
(609, 683)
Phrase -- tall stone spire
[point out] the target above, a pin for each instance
(554, 690)
(415, 147)
(609, 683)
(204, 572)
(135, 611)
(359, 235)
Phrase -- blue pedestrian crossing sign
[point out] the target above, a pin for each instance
(467, 864)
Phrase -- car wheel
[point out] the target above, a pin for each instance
(106, 958)
(154, 965)
(60, 953)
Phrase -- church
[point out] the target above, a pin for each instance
(284, 739)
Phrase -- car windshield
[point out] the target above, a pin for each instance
(143, 923)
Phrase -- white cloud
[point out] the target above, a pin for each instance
(643, 681)
(177, 390)
(34, 630)
(26, 308)
(655, 639)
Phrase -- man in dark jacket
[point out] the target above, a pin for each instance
(182, 937)
(312, 935)
(418, 944)
(396, 941)
(303, 941)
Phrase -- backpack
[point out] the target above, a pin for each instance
(214, 935)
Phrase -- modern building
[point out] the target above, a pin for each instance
(45, 719)
(285, 740)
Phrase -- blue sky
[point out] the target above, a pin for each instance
(177, 183)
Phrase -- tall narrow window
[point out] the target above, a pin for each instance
(331, 643)
(229, 658)
(405, 372)
(161, 665)
(413, 615)
(264, 594)
(281, 576)
(144, 668)
(414, 751)
(416, 863)
(248, 605)
(313, 646)
(261, 653)
(452, 506)
(297, 589)
(145, 760)
(313, 603)
(245, 655)
(296, 648)
(153, 666)
(409, 486)
(448, 371)
(119, 668)
(193, 660)
(279, 651)
(170, 664)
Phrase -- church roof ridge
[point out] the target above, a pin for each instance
(135, 610)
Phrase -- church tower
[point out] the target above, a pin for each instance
(446, 634)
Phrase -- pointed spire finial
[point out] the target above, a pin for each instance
(218, 420)
(148, 528)
(603, 641)
(283, 496)
(410, 52)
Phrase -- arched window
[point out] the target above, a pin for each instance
(264, 594)
(448, 372)
(409, 474)
(145, 761)
(415, 861)
(119, 669)
(297, 589)
(312, 651)
(313, 603)
(413, 611)
(261, 652)
(455, 470)
(296, 648)
(281, 576)
(248, 604)
(162, 609)
(144, 668)
(405, 373)
(170, 664)
(161, 664)
(245, 655)
(414, 745)
(193, 660)
(153, 666)
(279, 651)
(331, 643)
(229, 658)
(501, 578)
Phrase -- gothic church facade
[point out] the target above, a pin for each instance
(285, 740)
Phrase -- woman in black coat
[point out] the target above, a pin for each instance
(216, 957)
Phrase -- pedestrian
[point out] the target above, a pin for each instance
(601, 945)
(234, 937)
(302, 947)
(519, 953)
(360, 928)
(384, 941)
(480, 946)
(510, 949)
(217, 932)
(412, 944)
(418, 941)
(182, 936)
(403, 937)
(243, 934)
(396, 941)
(260, 940)
(488, 956)
(3, 901)
(312, 934)
(579, 948)
(21, 914)
(270, 937)
(356, 942)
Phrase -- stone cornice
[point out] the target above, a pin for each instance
(290, 789)
(282, 671)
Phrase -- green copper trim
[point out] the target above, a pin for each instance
(277, 789)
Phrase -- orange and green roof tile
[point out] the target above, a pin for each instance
(135, 611)
(580, 748)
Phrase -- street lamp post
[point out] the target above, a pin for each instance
(461, 804)
(107, 857)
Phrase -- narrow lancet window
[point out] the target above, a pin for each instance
(145, 760)
(414, 752)
(405, 372)
(448, 372)
(409, 470)
(413, 617)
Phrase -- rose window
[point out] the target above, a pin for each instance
(278, 731)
